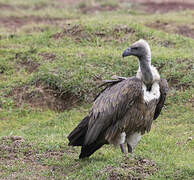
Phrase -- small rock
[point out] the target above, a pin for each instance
(189, 138)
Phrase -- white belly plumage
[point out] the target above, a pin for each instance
(132, 140)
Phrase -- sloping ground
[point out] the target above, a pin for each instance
(172, 27)
(52, 59)
(152, 7)
(15, 151)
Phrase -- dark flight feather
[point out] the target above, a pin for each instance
(163, 92)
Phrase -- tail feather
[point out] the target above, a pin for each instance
(77, 136)
(88, 150)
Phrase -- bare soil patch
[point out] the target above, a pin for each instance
(132, 169)
(97, 8)
(161, 25)
(48, 56)
(167, 7)
(17, 22)
(69, 1)
(171, 27)
(78, 33)
(29, 65)
(89, 8)
(43, 97)
(25, 60)
(34, 7)
(16, 147)
(15, 151)
(160, 6)
(6, 6)
(185, 31)
(175, 81)
(11, 148)
(75, 31)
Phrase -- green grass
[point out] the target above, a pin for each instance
(66, 59)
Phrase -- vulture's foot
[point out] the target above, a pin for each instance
(123, 150)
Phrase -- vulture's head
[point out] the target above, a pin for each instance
(139, 49)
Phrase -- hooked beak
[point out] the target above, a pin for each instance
(126, 52)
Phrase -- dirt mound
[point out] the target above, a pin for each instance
(6, 6)
(15, 150)
(132, 169)
(43, 97)
(25, 59)
(185, 31)
(172, 27)
(12, 147)
(152, 7)
(48, 56)
(13, 22)
(97, 8)
(78, 33)
(161, 25)
(29, 65)
(75, 31)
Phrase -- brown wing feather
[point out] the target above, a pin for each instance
(111, 106)
(163, 92)
(106, 84)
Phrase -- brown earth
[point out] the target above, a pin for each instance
(185, 31)
(69, 1)
(88, 9)
(15, 150)
(167, 7)
(172, 27)
(150, 6)
(163, 6)
(29, 65)
(18, 22)
(174, 82)
(43, 97)
(48, 56)
(77, 32)
(6, 7)
(131, 169)
(35, 7)
(98, 8)
(25, 61)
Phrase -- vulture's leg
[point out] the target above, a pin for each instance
(130, 149)
(123, 150)
(132, 141)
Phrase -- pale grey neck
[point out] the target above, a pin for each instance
(145, 66)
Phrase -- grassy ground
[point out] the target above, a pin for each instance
(53, 54)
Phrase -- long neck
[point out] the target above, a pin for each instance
(145, 66)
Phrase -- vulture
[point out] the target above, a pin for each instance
(125, 109)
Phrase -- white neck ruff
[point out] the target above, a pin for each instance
(155, 74)
(154, 93)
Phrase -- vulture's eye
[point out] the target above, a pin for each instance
(135, 48)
